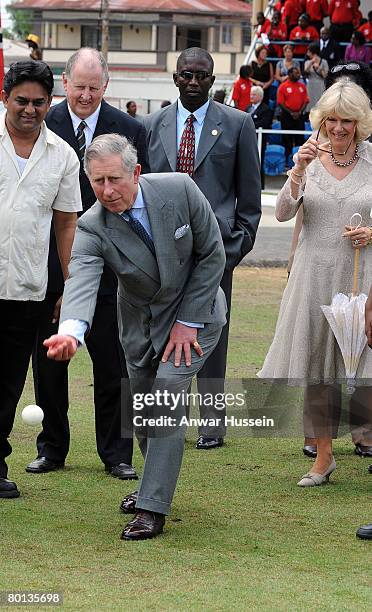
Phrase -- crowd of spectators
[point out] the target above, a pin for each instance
(295, 52)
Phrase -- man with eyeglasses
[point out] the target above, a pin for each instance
(39, 182)
(217, 146)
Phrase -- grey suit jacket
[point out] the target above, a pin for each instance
(182, 282)
(226, 169)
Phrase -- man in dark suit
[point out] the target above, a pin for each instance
(330, 50)
(262, 117)
(217, 146)
(83, 115)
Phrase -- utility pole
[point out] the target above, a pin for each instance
(105, 28)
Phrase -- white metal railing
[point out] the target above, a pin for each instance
(261, 131)
(251, 50)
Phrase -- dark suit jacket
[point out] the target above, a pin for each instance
(226, 169)
(262, 117)
(332, 53)
(110, 120)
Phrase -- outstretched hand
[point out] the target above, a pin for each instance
(181, 339)
(61, 348)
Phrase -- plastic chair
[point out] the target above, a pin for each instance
(274, 160)
(275, 138)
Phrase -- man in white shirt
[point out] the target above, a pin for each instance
(39, 181)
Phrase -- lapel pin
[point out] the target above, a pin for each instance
(214, 132)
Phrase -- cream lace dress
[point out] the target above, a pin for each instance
(304, 347)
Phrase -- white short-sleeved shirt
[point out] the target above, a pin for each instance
(49, 181)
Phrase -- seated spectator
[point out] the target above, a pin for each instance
(241, 94)
(357, 49)
(315, 70)
(366, 28)
(219, 96)
(279, 7)
(263, 73)
(303, 32)
(330, 50)
(282, 67)
(342, 13)
(292, 99)
(263, 24)
(291, 13)
(317, 10)
(278, 31)
(262, 117)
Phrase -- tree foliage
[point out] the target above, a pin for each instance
(21, 22)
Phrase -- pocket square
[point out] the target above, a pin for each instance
(181, 231)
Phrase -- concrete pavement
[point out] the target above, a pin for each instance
(273, 239)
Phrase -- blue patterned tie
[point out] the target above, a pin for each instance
(138, 228)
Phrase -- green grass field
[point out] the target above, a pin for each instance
(241, 536)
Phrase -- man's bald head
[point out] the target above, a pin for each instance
(85, 80)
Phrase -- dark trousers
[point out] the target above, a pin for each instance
(211, 377)
(288, 123)
(18, 327)
(51, 387)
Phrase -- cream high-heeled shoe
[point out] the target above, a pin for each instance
(312, 479)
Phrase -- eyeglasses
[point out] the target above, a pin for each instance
(200, 75)
(342, 66)
(327, 150)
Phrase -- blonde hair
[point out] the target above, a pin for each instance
(347, 100)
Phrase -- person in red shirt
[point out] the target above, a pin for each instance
(241, 94)
(278, 31)
(317, 10)
(291, 13)
(366, 28)
(292, 99)
(342, 14)
(263, 24)
(279, 7)
(304, 32)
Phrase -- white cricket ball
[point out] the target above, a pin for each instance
(32, 415)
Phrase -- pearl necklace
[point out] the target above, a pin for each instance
(344, 164)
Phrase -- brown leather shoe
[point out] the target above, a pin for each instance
(128, 505)
(143, 526)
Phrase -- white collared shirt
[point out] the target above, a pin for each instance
(91, 122)
(49, 181)
(183, 114)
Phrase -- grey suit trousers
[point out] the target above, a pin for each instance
(162, 447)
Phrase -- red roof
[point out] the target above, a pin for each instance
(208, 7)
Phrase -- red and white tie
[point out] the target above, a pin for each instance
(186, 152)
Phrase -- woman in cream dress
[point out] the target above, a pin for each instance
(334, 181)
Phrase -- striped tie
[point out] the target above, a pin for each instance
(81, 139)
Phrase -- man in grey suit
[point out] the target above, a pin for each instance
(217, 146)
(160, 237)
